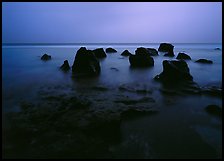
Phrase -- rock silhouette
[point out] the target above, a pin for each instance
(174, 71)
(204, 61)
(141, 58)
(86, 63)
(152, 52)
(183, 56)
(99, 53)
(111, 50)
(65, 66)
(46, 57)
(166, 47)
(126, 53)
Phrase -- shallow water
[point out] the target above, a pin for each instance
(181, 121)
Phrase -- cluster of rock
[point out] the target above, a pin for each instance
(86, 62)
(141, 58)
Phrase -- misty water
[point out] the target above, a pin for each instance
(180, 127)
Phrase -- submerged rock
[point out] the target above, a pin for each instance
(214, 110)
(126, 53)
(174, 71)
(86, 63)
(204, 61)
(99, 53)
(217, 49)
(141, 58)
(65, 66)
(152, 52)
(111, 50)
(183, 56)
(46, 57)
(166, 47)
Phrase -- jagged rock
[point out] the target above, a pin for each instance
(85, 63)
(183, 56)
(214, 110)
(204, 61)
(111, 50)
(152, 52)
(99, 53)
(46, 57)
(65, 66)
(174, 71)
(141, 58)
(166, 47)
(126, 53)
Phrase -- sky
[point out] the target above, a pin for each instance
(111, 22)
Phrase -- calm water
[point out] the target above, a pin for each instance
(23, 74)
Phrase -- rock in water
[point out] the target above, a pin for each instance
(86, 63)
(99, 53)
(183, 56)
(141, 58)
(153, 52)
(65, 66)
(214, 110)
(126, 53)
(46, 57)
(111, 50)
(174, 71)
(166, 47)
(205, 61)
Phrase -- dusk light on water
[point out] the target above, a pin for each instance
(119, 80)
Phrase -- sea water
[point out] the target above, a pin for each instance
(24, 73)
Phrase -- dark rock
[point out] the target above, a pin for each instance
(142, 51)
(212, 91)
(115, 69)
(217, 49)
(65, 66)
(126, 53)
(166, 47)
(174, 71)
(111, 50)
(46, 57)
(152, 52)
(135, 113)
(141, 61)
(214, 110)
(86, 63)
(99, 53)
(183, 56)
(141, 58)
(204, 61)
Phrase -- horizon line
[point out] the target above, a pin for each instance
(96, 43)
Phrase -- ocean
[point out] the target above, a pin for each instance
(181, 128)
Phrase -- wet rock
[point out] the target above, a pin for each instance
(86, 63)
(135, 101)
(115, 69)
(99, 53)
(111, 50)
(135, 113)
(46, 57)
(174, 71)
(183, 56)
(141, 58)
(166, 47)
(212, 91)
(217, 49)
(214, 110)
(99, 88)
(204, 61)
(65, 66)
(126, 53)
(152, 52)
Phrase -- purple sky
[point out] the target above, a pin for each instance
(118, 22)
